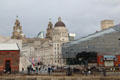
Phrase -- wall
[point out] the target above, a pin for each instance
(13, 56)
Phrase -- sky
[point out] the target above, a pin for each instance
(80, 16)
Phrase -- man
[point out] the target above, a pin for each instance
(49, 70)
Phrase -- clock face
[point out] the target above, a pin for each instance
(18, 30)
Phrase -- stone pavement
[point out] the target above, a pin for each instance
(38, 77)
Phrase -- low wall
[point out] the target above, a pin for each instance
(59, 78)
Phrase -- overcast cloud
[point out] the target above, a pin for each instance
(80, 16)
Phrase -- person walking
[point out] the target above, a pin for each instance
(69, 73)
(22, 70)
(28, 70)
(104, 72)
(49, 70)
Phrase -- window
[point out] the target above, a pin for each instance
(66, 52)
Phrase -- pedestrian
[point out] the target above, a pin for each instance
(86, 72)
(49, 70)
(104, 72)
(22, 70)
(28, 70)
(36, 70)
(69, 73)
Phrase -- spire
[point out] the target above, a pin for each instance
(50, 23)
(49, 19)
(59, 19)
(17, 17)
(17, 23)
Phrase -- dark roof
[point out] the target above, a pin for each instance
(59, 23)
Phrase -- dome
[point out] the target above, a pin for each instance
(59, 23)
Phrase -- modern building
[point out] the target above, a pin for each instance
(106, 41)
(9, 57)
(107, 24)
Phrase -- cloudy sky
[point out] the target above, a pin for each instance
(80, 16)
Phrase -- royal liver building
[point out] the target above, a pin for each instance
(49, 49)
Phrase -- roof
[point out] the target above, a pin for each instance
(60, 23)
(97, 34)
(4, 39)
(9, 46)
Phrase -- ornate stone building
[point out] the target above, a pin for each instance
(60, 36)
(46, 50)
(17, 31)
(49, 49)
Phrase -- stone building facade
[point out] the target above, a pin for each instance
(49, 30)
(49, 49)
(17, 31)
(60, 36)
(46, 50)
(103, 42)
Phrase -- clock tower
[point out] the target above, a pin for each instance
(17, 31)
(49, 30)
